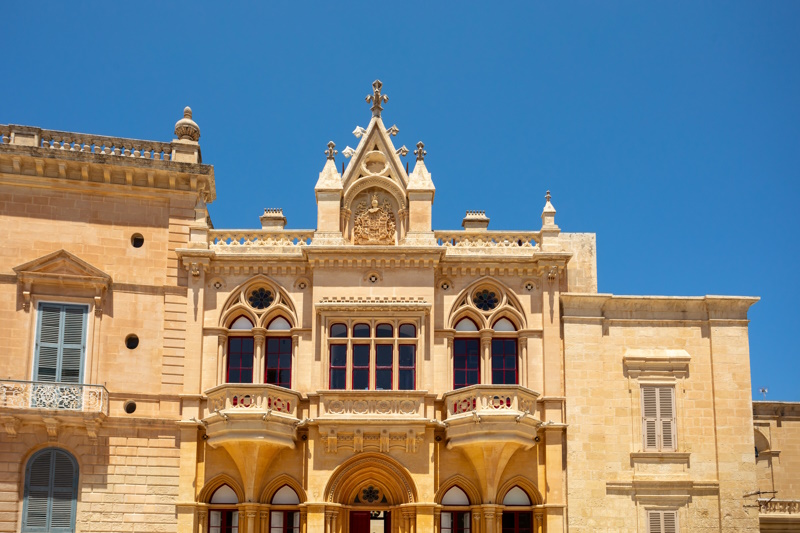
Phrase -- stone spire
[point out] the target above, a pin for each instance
(550, 231)
(187, 129)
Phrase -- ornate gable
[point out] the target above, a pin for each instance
(61, 269)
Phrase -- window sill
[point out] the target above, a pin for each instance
(660, 457)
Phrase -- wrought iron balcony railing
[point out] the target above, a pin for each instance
(45, 395)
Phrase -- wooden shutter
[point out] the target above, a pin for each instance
(650, 418)
(61, 343)
(666, 415)
(670, 521)
(662, 521)
(51, 485)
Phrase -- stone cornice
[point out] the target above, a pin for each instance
(763, 409)
(369, 304)
(29, 163)
(667, 308)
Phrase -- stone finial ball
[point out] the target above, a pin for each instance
(187, 129)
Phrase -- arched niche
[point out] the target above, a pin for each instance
(383, 473)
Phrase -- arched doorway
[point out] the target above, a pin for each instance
(371, 489)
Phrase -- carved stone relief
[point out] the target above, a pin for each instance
(374, 223)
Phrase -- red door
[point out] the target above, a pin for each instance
(359, 521)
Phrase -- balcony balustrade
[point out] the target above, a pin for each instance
(790, 507)
(254, 412)
(39, 396)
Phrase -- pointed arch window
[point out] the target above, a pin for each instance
(455, 517)
(221, 520)
(517, 521)
(51, 492)
(285, 520)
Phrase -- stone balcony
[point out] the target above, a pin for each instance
(779, 515)
(489, 424)
(54, 404)
(484, 413)
(252, 412)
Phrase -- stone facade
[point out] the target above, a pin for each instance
(369, 375)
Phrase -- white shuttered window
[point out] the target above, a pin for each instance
(658, 418)
(662, 521)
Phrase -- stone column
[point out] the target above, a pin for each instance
(202, 520)
(522, 347)
(264, 517)
(259, 335)
(489, 512)
(476, 520)
(486, 356)
(437, 520)
(222, 358)
(537, 522)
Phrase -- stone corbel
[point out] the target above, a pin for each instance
(331, 442)
(91, 425)
(11, 424)
(358, 441)
(384, 441)
(26, 296)
(195, 264)
(100, 293)
(52, 428)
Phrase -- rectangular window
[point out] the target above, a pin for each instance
(658, 418)
(60, 343)
(278, 369)
(466, 362)
(240, 360)
(662, 521)
(384, 359)
(338, 372)
(504, 361)
(360, 366)
(455, 522)
(407, 379)
(517, 522)
(223, 522)
(284, 522)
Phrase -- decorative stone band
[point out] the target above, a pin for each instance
(367, 303)
(490, 399)
(41, 395)
(253, 398)
(376, 404)
(240, 240)
(779, 507)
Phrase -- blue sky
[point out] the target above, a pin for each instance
(670, 129)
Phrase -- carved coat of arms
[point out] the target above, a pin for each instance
(375, 224)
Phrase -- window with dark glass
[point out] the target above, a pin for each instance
(455, 521)
(504, 361)
(384, 360)
(224, 521)
(517, 522)
(384, 331)
(338, 367)
(466, 362)
(407, 331)
(278, 370)
(407, 368)
(360, 366)
(361, 331)
(339, 331)
(284, 522)
(240, 360)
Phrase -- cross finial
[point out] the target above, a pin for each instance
(420, 151)
(376, 98)
(331, 151)
(547, 196)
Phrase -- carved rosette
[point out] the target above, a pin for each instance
(374, 223)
